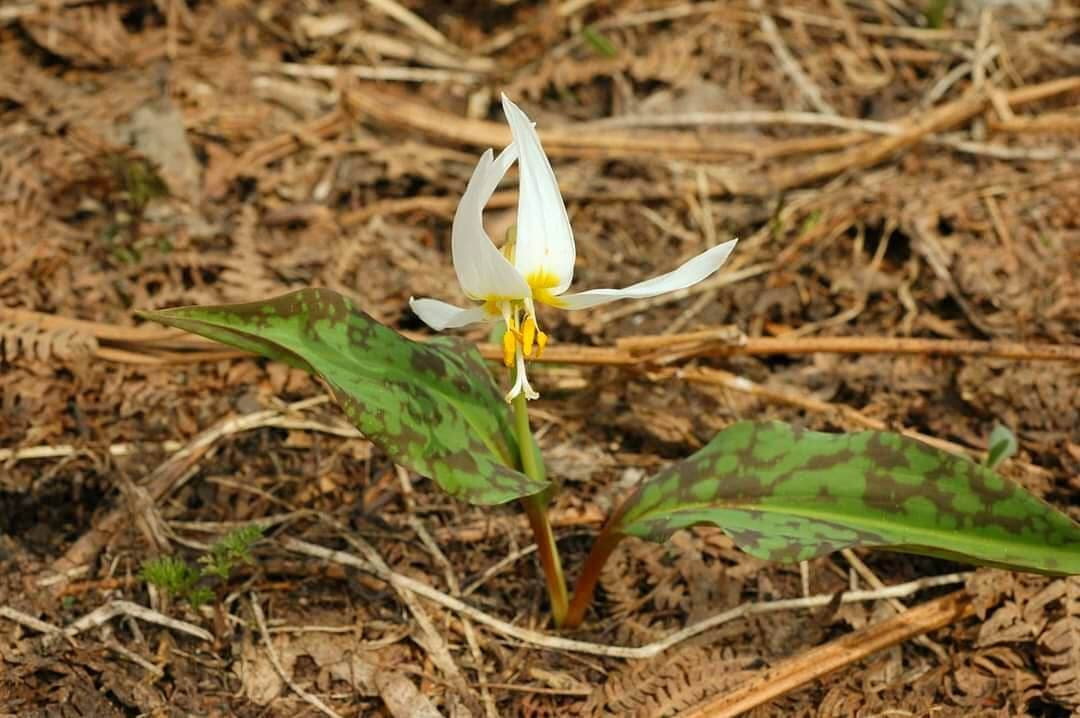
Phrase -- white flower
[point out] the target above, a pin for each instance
(536, 264)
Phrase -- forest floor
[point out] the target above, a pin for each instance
(900, 173)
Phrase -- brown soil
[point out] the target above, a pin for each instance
(168, 152)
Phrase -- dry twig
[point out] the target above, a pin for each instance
(164, 478)
(410, 585)
(260, 621)
(817, 662)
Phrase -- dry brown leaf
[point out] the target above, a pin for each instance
(335, 656)
(988, 587)
(1059, 643)
(401, 697)
(1007, 624)
(259, 678)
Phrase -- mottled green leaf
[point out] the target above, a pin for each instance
(1003, 444)
(432, 406)
(786, 494)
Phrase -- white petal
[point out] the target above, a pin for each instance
(482, 269)
(440, 315)
(545, 242)
(687, 275)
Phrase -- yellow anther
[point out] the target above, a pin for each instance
(541, 342)
(509, 342)
(528, 335)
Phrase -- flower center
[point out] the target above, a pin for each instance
(522, 334)
(541, 283)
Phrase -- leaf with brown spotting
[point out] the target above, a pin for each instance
(786, 494)
(433, 407)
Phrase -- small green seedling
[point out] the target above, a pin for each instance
(600, 44)
(233, 548)
(179, 579)
(781, 493)
(1003, 444)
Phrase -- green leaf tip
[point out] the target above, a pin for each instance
(787, 494)
(1003, 445)
(433, 406)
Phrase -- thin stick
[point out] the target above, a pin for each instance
(167, 475)
(25, 619)
(792, 674)
(810, 91)
(588, 515)
(762, 346)
(872, 579)
(650, 650)
(109, 611)
(411, 20)
(1049, 122)
(135, 658)
(496, 567)
(705, 342)
(365, 72)
(719, 377)
(314, 700)
(63, 450)
(455, 587)
(629, 351)
(748, 117)
(433, 641)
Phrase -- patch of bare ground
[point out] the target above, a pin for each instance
(906, 187)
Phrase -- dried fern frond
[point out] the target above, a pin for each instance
(667, 685)
(1059, 643)
(30, 342)
(89, 36)
(619, 584)
(245, 276)
(1012, 669)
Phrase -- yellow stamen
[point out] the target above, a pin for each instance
(509, 342)
(528, 335)
(541, 342)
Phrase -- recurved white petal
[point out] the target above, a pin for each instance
(481, 268)
(689, 274)
(440, 315)
(545, 242)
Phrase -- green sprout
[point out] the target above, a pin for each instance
(1002, 445)
(233, 548)
(132, 183)
(598, 42)
(180, 579)
(138, 179)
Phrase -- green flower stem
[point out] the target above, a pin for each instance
(590, 574)
(536, 510)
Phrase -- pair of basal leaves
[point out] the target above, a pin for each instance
(535, 264)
